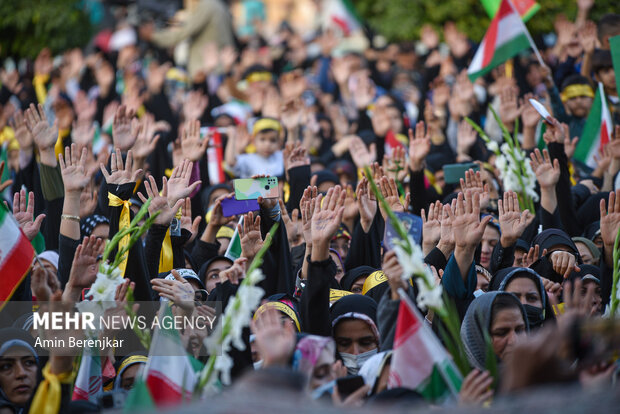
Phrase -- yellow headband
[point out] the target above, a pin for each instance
(258, 76)
(574, 91)
(264, 124)
(374, 279)
(225, 232)
(134, 359)
(282, 308)
(335, 294)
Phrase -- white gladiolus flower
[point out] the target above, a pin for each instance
(223, 364)
(493, 147)
(104, 288)
(429, 297)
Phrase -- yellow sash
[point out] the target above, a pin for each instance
(124, 223)
(48, 395)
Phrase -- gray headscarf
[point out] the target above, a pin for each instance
(477, 322)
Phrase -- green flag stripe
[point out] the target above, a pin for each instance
(614, 45)
(591, 130)
(502, 54)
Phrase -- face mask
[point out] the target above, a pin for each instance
(535, 316)
(478, 292)
(258, 365)
(355, 362)
(325, 388)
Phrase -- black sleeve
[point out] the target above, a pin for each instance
(202, 252)
(178, 243)
(66, 251)
(51, 225)
(152, 248)
(421, 196)
(314, 306)
(365, 249)
(563, 192)
(436, 258)
(607, 273)
(136, 269)
(279, 276)
(502, 257)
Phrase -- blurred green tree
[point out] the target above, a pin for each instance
(27, 26)
(402, 19)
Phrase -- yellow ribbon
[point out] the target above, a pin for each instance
(49, 393)
(374, 279)
(574, 91)
(335, 294)
(285, 309)
(59, 147)
(39, 82)
(258, 76)
(166, 257)
(264, 124)
(124, 223)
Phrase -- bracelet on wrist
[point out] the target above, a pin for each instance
(70, 217)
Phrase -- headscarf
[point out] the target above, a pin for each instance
(283, 304)
(352, 275)
(553, 237)
(51, 256)
(477, 324)
(594, 251)
(503, 277)
(376, 285)
(355, 307)
(587, 272)
(88, 224)
(308, 351)
(122, 365)
(11, 338)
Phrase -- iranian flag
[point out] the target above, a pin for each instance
(526, 8)
(215, 157)
(342, 14)
(505, 37)
(233, 252)
(419, 361)
(596, 132)
(89, 382)
(16, 255)
(170, 375)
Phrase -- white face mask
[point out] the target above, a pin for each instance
(355, 362)
(325, 388)
(258, 365)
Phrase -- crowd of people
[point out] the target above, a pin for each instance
(88, 133)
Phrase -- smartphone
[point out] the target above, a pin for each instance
(348, 385)
(232, 207)
(540, 108)
(252, 188)
(454, 172)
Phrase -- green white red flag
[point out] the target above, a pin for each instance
(526, 8)
(342, 14)
(596, 132)
(419, 361)
(505, 37)
(16, 255)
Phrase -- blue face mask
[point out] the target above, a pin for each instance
(318, 392)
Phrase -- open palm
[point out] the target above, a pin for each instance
(75, 177)
(44, 134)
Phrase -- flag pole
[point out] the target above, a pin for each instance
(405, 298)
(528, 35)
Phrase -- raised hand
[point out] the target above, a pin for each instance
(466, 224)
(159, 202)
(44, 134)
(122, 134)
(146, 138)
(361, 154)
(563, 263)
(44, 283)
(325, 221)
(547, 174)
(570, 145)
(22, 133)
(88, 201)
(431, 226)
(508, 106)
(473, 181)
(512, 222)
(419, 146)
(610, 222)
(251, 238)
(186, 220)
(195, 104)
(297, 156)
(275, 341)
(178, 184)
(75, 177)
(235, 273)
(120, 174)
(465, 138)
(476, 388)
(395, 165)
(367, 204)
(85, 265)
(25, 214)
(192, 145)
(293, 225)
(529, 114)
(306, 204)
(389, 191)
(446, 241)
